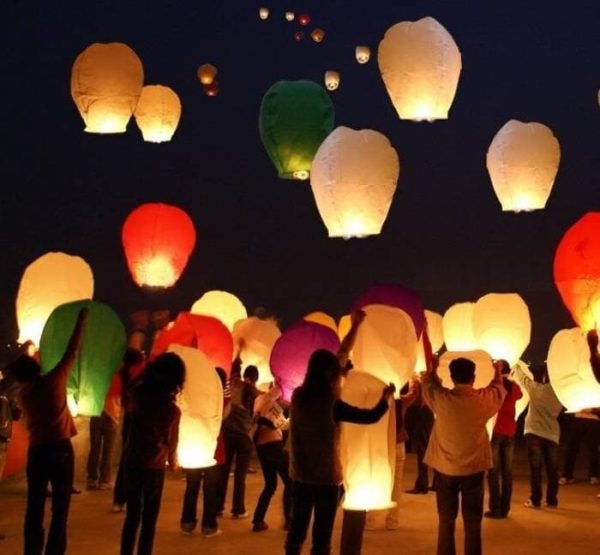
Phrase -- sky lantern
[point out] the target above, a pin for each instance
(502, 325)
(16, 450)
(222, 305)
(317, 35)
(201, 404)
(304, 19)
(290, 16)
(207, 73)
(158, 240)
(362, 54)
(299, 36)
(522, 162)
(457, 325)
(420, 65)
(570, 371)
(211, 90)
(435, 330)
(344, 326)
(106, 84)
(290, 355)
(263, 13)
(484, 367)
(157, 113)
(99, 357)
(354, 179)
(368, 453)
(323, 319)
(295, 118)
(577, 271)
(332, 80)
(50, 281)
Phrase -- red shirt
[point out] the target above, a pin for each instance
(506, 424)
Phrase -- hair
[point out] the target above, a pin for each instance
(540, 372)
(251, 373)
(462, 370)
(163, 379)
(222, 376)
(24, 369)
(321, 376)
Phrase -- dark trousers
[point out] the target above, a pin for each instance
(586, 431)
(500, 476)
(52, 463)
(119, 492)
(306, 498)
(541, 450)
(144, 492)
(193, 481)
(238, 446)
(103, 431)
(420, 424)
(274, 460)
(469, 489)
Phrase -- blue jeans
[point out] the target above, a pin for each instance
(500, 475)
(541, 450)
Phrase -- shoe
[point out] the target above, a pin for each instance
(252, 470)
(92, 485)
(529, 505)
(551, 505)
(116, 508)
(239, 516)
(563, 481)
(211, 532)
(260, 526)
(594, 481)
(104, 486)
(75, 491)
(219, 514)
(187, 528)
(415, 491)
(492, 514)
(389, 525)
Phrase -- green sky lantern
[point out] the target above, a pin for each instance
(100, 355)
(295, 118)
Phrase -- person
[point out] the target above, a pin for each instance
(151, 444)
(584, 428)
(542, 433)
(500, 478)
(50, 458)
(592, 341)
(459, 449)
(315, 414)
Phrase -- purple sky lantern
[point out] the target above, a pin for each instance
(292, 350)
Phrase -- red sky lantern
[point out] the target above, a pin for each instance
(158, 240)
(212, 89)
(304, 19)
(298, 36)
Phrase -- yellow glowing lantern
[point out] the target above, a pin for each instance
(258, 338)
(207, 74)
(362, 54)
(263, 13)
(323, 319)
(332, 80)
(570, 371)
(106, 84)
(53, 279)
(420, 65)
(367, 452)
(317, 35)
(484, 367)
(502, 325)
(222, 305)
(435, 330)
(201, 404)
(457, 325)
(522, 162)
(353, 178)
(344, 326)
(157, 113)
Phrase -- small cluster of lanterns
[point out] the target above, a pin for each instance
(207, 75)
(317, 34)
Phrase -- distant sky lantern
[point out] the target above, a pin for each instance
(263, 13)
(295, 118)
(290, 355)
(212, 89)
(299, 36)
(157, 113)
(49, 281)
(323, 319)
(99, 357)
(201, 404)
(158, 240)
(332, 80)
(502, 325)
(207, 74)
(106, 84)
(362, 54)
(259, 337)
(522, 162)
(354, 179)
(435, 330)
(367, 452)
(577, 271)
(222, 305)
(457, 324)
(289, 16)
(420, 65)
(484, 367)
(304, 19)
(317, 35)
(570, 371)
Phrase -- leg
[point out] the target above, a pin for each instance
(422, 481)
(119, 493)
(392, 520)
(551, 461)
(134, 485)
(242, 462)
(109, 433)
(534, 453)
(572, 447)
(193, 481)
(283, 471)
(302, 507)
(591, 441)
(61, 478)
(94, 455)
(446, 493)
(506, 458)
(326, 502)
(267, 455)
(230, 450)
(493, 477)
(472, 511)
(212, 476)
(37, 482)
(152, 494)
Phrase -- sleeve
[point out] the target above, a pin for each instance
(523, 379)
(63, 368)
(494, 394)
(343, 412)
(595, 362)
(431, 387)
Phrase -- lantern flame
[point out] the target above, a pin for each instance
(157, 271)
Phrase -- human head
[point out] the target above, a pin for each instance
(503, 366)
(24, 369)
(323, 373)
(462, 371)
(540, 372)
(166, 371)
(132, 357)
(251, 374)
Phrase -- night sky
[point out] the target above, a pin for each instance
(261, 237)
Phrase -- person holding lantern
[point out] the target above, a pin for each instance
(592, 339)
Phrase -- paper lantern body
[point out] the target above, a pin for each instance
(344, 326)
(290, 355)
(323, 319)
(367, 452)
(386, 345)
(295, 118)
(394, 295)
(16, 453)
(577, 271)
(502, 325)
(49, 281)
(304, 19)
(201, 404)
(106, 84)
(570, 371)
(435, 330)
(289, 16)
(332, 80)
(420, 65)
(100, 354)
(457, 324)
(157, 113)
(222, 305)
(317, 35)
(362, 54)
(522, 162)
(158, 240)
(263, 13)
(259, 337)
(207, 74)
(484, 367)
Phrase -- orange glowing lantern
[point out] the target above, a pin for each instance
(207, 74)
(317, 35)
(157, 113)
(222, 305)
(323, 319)
(212, 89)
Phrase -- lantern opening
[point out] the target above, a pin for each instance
(158, 271)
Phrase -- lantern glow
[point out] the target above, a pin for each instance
(263, 13)
(332, 80)
(362, 54)
(457, 325)
(323, 319)
(207, 74)
(259, 337)
(157, 113)
(435, 330)
(317, 35)
(222, 305)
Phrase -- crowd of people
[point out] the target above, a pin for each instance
(297, 442)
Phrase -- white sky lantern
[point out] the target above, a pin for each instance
(344, 326)
(386, 345)
(522, 162)
(435, 330)
(221, 305)
(323, 319)
(263, 13)
(106, 84)
(353, 178)
(367, 452)
(570, 371)
(289, 16)
(332, 80)
(49, 281)
(157, 113)
(362, 54)
(420, 65)
(484, 367)
(201, 404)
(457, 324)
(502, 325)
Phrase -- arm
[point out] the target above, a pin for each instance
(66, 363)
(522, 379)
(343, 412)
(348, 342)
(592, 340)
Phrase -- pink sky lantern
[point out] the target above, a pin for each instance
(391, 294)
(289, 358)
